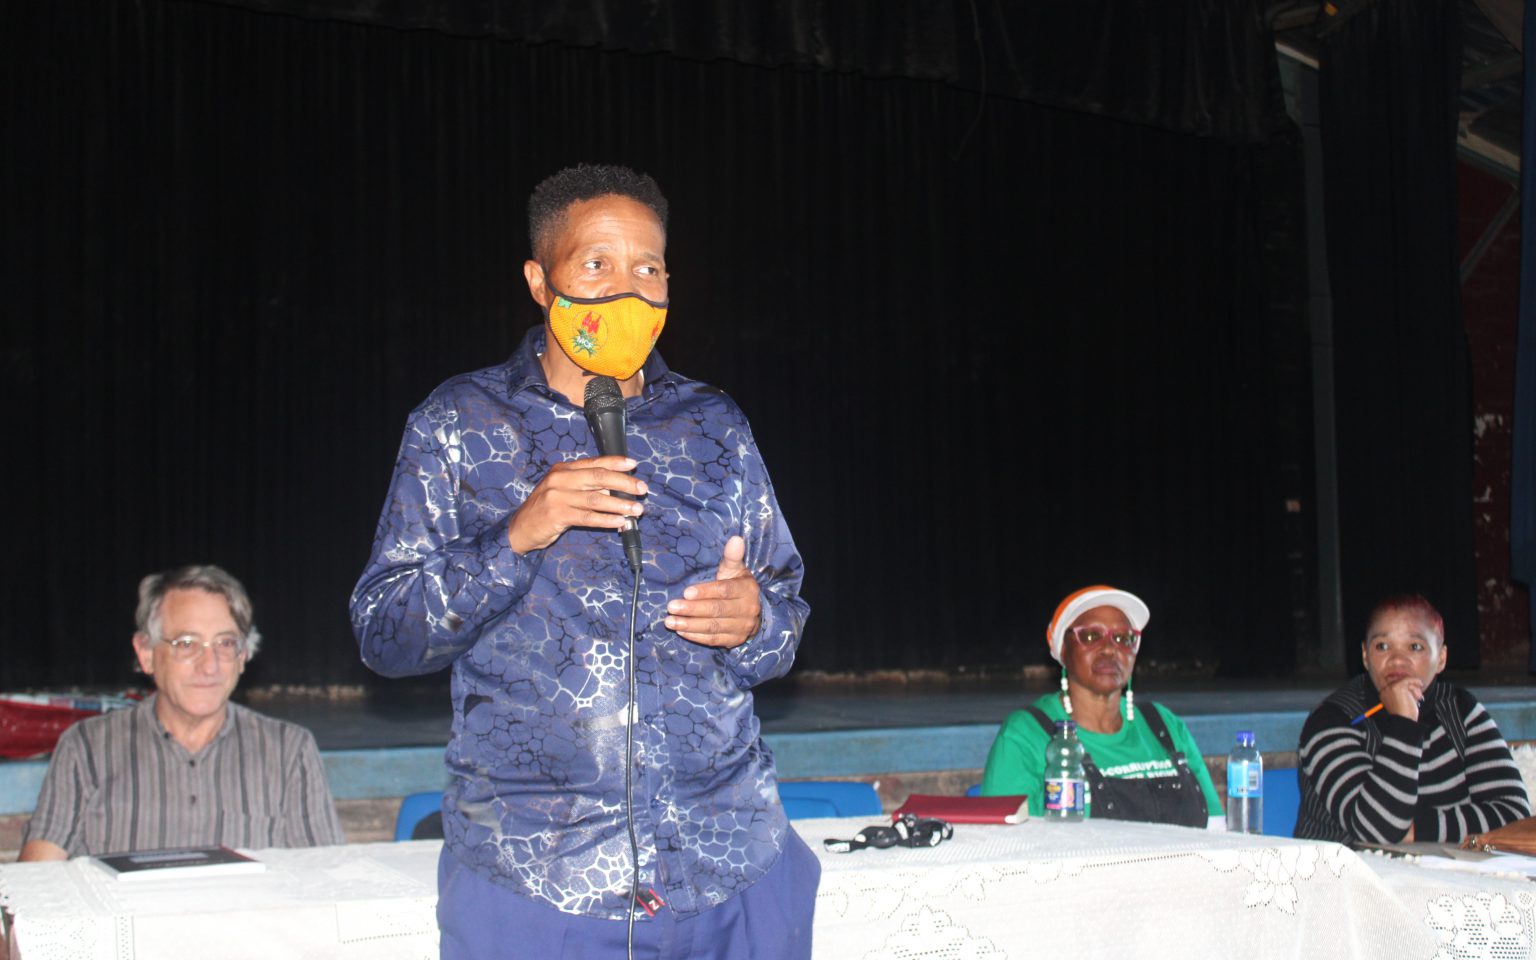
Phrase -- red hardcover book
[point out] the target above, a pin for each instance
(1013, 809)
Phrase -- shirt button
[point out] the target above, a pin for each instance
(191, 763)
(194, 798)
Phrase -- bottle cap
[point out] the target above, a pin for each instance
(1245, 738)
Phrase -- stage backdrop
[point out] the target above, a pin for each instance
(994, 348)
(1390, 87)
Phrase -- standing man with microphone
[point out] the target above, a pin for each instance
(610, 790)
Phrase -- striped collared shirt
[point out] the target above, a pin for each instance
(121, 782)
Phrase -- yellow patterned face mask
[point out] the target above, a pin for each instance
(609, 336)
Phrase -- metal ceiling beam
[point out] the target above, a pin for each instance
(1508, 17)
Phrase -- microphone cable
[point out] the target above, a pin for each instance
(603, 407)
(629, 778)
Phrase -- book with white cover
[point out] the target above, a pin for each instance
(179, 862)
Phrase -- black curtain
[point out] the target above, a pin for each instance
(1196, 66)
(992, 350)
(1522, 479)
(1390, 78)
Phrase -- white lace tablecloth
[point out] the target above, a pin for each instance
(1103, 888)
(1470, 915)
(374, 901)
(1038, 889)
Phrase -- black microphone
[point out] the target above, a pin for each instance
(604, 407)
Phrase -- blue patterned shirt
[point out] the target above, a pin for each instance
(538, 641)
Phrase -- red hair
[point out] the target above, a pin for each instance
(1409, 603)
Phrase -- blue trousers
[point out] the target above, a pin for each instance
(771, 920)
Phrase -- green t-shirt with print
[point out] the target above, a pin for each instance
(1016, 762)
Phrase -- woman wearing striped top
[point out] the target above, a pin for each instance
(1428, 763)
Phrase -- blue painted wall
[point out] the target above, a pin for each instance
(360, 774)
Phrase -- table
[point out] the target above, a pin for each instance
(1469, 915)
(1036, 889)
(369, 901)
(1104, 888)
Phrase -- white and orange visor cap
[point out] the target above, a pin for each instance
(1086, 599)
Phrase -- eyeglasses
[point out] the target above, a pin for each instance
(188, 647)
(1090, 635)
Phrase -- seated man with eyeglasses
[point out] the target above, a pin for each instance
(1140, 764)
(186, 767)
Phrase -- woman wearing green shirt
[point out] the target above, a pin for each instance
(1141, 764)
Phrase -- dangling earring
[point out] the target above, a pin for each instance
(1066, 698)
(1130, 703)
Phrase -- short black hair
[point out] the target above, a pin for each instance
(551, 199)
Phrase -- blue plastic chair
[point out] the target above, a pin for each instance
(805, 799)
(1282, 802)
(415, 809)
(808, 808)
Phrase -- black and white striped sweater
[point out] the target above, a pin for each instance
(1448, 774)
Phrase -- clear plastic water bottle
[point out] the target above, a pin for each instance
(1245, 786)
(1066, 786)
